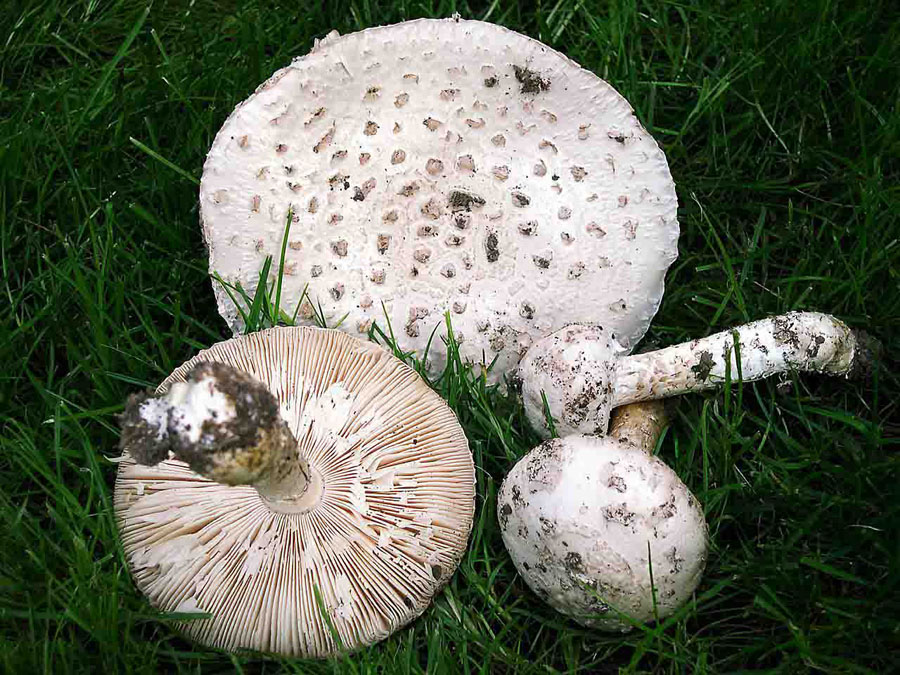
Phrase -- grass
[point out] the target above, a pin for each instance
(780, 120)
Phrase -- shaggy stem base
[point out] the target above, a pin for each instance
(226, 426)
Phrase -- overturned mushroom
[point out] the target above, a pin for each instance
(602, 530)
(583, 373)
(305, 489)
(527, 185)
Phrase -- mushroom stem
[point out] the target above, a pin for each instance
(638, 424)
(226, 426)
(804, 341)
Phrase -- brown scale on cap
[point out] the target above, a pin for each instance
(432, 209)
(520, 199)
(427, 230)
(465, 163)
(409, 189)
(325, 141)
(459, 200)
(383, 242)
(529, 228)
(492, 247)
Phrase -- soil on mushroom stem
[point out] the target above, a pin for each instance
(105, 291)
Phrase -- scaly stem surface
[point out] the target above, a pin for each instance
(803, 341)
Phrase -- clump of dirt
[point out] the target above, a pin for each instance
(702, 369)
(531, 81)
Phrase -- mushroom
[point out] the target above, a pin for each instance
(602, 530)
(529, 196)
(303, 490)
(583, 373)
(497, 182)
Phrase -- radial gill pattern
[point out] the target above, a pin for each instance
(443, 167)
(389, 530)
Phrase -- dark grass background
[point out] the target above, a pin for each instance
(780, 120)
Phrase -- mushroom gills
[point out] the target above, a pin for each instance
(305, 489)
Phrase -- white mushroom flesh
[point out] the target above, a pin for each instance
(389, 523)
(192, 404)
(443, 166)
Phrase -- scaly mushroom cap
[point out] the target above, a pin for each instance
(575, 370)
(395, 503)
(577, 515)
(443, 166)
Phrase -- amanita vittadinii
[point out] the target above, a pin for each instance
(455, 167)
(602, 530)
(583, 373)
(442, 167)
(298, 485)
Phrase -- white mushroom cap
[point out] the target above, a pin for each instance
(583, 517)
(383, 532)
(575, 369)
(443, 166)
